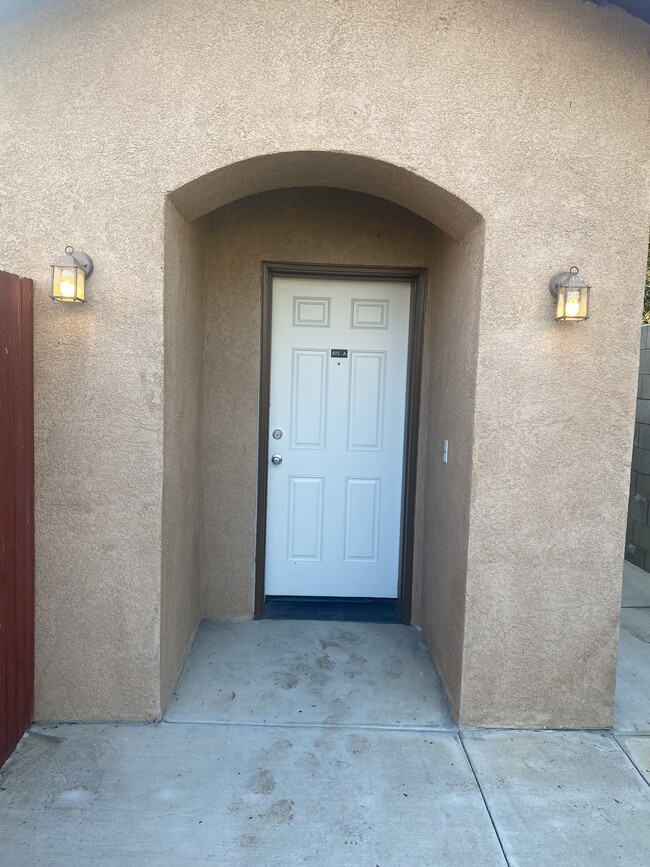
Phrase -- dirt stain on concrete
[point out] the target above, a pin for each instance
(285, 679)
(280, 812)
(348, 637)
(325, 663)
(356, 744)
(247, 841)
(262, 783)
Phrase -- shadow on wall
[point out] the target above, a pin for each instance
(637, 537)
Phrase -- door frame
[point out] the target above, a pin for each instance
(418, 278)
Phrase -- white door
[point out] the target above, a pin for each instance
(339, 351)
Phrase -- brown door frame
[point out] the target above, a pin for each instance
(418, 278)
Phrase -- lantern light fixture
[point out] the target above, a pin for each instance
(571, 292)
(69, 275)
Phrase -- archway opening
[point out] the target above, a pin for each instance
(335, 209)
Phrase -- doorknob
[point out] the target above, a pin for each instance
(276, 459)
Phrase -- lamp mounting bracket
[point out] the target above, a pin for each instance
(557, 281)
(84, 260)
(560, 279)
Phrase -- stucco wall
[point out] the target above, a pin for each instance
(446, 491)
(465, 97)
(183, 412)
(553, 430)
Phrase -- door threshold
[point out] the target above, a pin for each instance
(359, 609)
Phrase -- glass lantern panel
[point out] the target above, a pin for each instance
(64, 288)
(584, 303)
(68, 283)
(81, 285)
(67, 289)
(572, 305)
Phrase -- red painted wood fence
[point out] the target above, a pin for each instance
(16, 511)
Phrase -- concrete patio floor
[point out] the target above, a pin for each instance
(296, 742)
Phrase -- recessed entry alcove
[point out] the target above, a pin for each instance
(310, 209)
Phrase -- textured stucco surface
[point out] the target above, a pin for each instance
(317, 169)
(183, 412)
(306, 225)
(466, 98)
(445, 488)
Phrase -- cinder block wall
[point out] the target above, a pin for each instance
(637, 540)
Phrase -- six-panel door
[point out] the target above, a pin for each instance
(339, 351)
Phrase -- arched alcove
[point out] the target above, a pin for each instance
(311, 208)
(346, 171)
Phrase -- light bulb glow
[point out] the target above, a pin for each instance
(572, 307)
(66, 286)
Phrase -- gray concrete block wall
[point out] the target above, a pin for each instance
(637, 539)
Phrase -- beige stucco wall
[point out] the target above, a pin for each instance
(446, 489)
(463, 97)
(184, 294)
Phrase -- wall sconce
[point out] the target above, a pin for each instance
(69, 274)
(572, 295)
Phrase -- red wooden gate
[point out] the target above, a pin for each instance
(16, 511)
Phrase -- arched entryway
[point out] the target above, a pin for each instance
(315, 208)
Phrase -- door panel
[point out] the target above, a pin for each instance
(305, 519)
(362, 509)
(339, 351)
(366, 400)
(308, 399)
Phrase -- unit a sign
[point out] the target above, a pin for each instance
(339, 353)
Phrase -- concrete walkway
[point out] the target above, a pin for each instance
(292, 742)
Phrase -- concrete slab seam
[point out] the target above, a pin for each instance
(629, 733)
(314, 725)
(487, 806)
(483, 729)
(615, 738)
